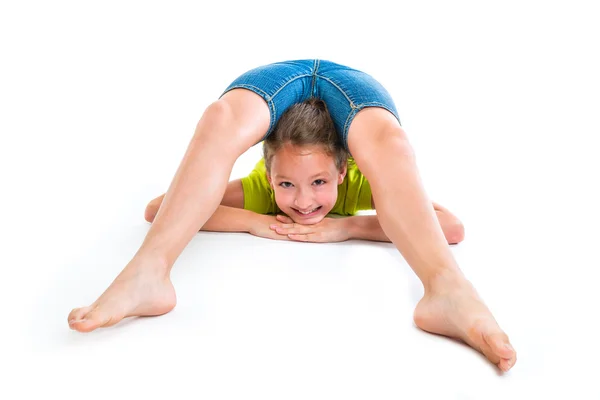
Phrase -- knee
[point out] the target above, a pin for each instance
(375, 128)
(394, 136)
(222, 129)
(388, 142)
(218, 114)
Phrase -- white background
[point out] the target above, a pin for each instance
(98, 101)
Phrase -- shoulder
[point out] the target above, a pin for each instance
(352, 170)
(258, 195)
(258, 175)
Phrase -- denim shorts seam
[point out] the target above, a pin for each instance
(287, 83)
(314, 78)
(338, 88)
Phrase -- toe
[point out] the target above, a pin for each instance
(85, 325)
(507, 363)
(504, 365)
(78, 314)
(500, 345)
(502, 349)
(90, 321)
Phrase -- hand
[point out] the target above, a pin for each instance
(260, 226)
(328, 230)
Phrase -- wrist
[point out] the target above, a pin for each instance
(249, 219)
(350, 227)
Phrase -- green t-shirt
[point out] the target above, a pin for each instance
(354, 193)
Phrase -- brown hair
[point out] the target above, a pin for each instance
(304, 124)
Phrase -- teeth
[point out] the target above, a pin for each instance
(308, 212)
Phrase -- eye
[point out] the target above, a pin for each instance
(319, 182)
(285, 184)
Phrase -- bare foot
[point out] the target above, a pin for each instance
(141, 289)
(453, 308)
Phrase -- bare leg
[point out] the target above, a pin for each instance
(450, 306)
(228, 127)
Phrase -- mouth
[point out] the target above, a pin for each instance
(308, 213)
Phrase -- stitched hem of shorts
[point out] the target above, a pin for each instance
(355, 111)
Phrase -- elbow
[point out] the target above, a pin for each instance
(151, 211)
(149, 214)
(456, 233)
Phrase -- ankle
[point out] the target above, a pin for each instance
(444, 281)
(151, 261)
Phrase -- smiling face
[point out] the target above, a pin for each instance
(305, 182)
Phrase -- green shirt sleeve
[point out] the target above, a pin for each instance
(258, 194)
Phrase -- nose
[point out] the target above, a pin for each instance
(303, 200)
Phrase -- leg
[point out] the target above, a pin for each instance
(234, 197)
(450, 306)
(227, 128)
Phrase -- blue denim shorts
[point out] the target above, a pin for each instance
(344, 90)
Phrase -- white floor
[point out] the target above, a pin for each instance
(98, 106)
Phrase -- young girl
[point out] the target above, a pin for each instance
(306, 174)
(368, 127)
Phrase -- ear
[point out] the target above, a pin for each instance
(342, 174)
(270, 180)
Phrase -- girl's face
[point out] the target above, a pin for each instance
(305, 182)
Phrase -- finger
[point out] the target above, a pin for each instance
(287, 226)
(284, 226)
(298, 237)
(297, 230)
(310, 237)
(280, 228)
(281, 237)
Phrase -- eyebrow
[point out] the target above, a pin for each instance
(312, 177)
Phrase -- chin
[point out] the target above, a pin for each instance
(309, 221)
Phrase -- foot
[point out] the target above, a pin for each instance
(141, 289)
(453, 308)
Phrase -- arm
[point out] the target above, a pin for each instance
(230, 216)
(233, 197)
(234, 194)
(230, 219)
(367, 227)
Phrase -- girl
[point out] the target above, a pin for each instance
(305, 145)
(368, 126)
